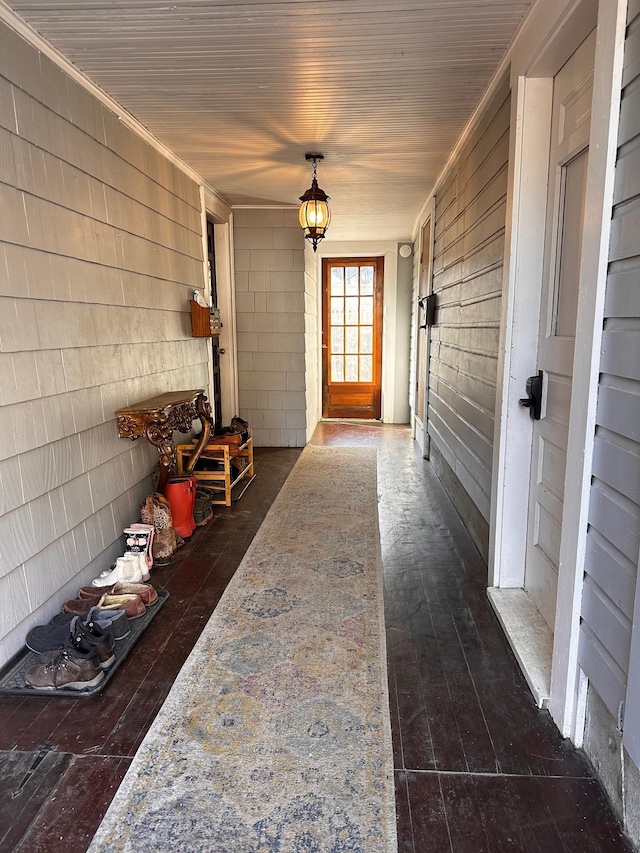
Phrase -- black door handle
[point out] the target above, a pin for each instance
(533, 400)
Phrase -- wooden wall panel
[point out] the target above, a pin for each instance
(100, 250)
(613, 543)
(605, 675)
(607, 621)
(468, 261)
(614, 573)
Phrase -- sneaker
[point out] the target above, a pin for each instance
(94, 635)
(74, 668)
(115, 620)
(89, 631)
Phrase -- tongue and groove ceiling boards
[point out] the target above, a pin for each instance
(240, 91)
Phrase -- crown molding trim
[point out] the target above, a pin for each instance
(30, 35)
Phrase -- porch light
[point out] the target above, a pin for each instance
(314, 214)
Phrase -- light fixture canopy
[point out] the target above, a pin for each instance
(314, 214)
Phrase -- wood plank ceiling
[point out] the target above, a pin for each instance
(241, 90)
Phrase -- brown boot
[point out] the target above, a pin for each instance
(71, 669)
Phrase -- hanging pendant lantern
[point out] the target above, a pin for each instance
(314, 214)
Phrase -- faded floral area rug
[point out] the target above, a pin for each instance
(275, 737)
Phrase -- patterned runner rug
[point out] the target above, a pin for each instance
(275, 737)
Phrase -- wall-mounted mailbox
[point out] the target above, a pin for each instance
(428, 304)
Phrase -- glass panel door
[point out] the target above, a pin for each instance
(352, 337)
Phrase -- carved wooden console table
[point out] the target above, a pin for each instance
(157, 418)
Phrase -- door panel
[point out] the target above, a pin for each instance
(566, 295)
(424, 289)
(352, 338)
(571, 122)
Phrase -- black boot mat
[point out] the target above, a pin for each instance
(12, 674)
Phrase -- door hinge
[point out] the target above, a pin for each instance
(620, 721)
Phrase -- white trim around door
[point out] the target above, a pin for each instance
(533, 68)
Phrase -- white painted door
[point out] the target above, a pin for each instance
(422, 332)
(571, 122)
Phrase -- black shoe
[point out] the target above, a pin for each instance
(115, 620)
(101, 639)
(79, 636)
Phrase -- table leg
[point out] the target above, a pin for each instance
(203, 410)
(160, 434)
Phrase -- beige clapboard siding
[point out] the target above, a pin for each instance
(274, 313)
(613, 538)
(468, 261)
(100, 248)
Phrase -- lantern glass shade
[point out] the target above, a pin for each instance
(314, 213)
(314, 216)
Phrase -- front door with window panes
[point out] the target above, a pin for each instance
(352, 337)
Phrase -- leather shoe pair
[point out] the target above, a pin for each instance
(146, 591)
(132, 605)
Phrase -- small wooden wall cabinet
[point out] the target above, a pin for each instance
(201, 322)
(225, 479)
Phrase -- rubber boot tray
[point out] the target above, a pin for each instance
(12, 679)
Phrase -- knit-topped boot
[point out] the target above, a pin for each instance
(156, 511)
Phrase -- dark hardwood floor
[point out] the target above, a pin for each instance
(61, 760)
(477, 766)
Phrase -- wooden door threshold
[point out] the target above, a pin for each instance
(529, 636)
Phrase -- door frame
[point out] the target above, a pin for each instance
(377, 262)
(396, 320)
(548, 42)
(421, 418)
(211, 207)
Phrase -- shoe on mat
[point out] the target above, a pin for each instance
(99, 638)
(87, 633)
(132, 605)
(72, 668)
(116, 620)
(146, 591)
(47, 638)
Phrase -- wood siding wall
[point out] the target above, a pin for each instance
(614, 515)
(271, 305)
(468, 262)
(100, 249)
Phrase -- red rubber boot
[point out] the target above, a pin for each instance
(181, 494)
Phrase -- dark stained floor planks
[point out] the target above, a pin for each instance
(88, 744)
(477, 766)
